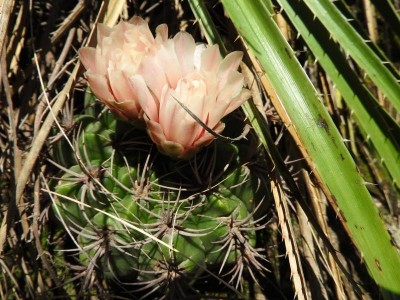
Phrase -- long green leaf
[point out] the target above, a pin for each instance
(321, 140)
(376, 124)
(349, 39)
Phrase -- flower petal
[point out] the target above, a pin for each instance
(238, 101)
(153, 74)
(167, 110)
(140, 34)
(102, 32)
(170, 63)
(161, 33)
(146, 100)
(232, 88)
(210, 59)
(100, 87)
(125, 95)
(198, 52)
(217, 113)
(206, 138)
(155, 131)
(229, 64)
(120, 86)
(185, 46)
(92, 61)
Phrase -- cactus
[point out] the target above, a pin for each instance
(123, 202)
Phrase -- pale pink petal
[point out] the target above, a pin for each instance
(172, 115)
(155, 131)
(92, 61)
(217, 113)
(102, 32)
(206, 138)
(210, 59)
(146, 100)
(118, 36)
(195, 98)
(141, 26)
(124, 27)
(107, 48)
(130, 61)
(153, 74)
(212, 92)
(170, 63)
(161, 33)
(185, 128)
(100, 87)
(184, 133)
(169, 148)
(184, 49)
(167, 110)
(125, 95)
(120, 87)
(129, 110)
(136, 20)
(198, 52)
(140, 34)
(109, 39)
(230, 63)
(232, 88)
(198, 92)
(238, 101)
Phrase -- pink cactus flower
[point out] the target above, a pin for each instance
(198, 77)
(155, 80)
(116, 59)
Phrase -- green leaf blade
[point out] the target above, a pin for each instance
(348, 37)
(375, 122)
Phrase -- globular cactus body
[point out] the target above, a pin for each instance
(121, 198)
